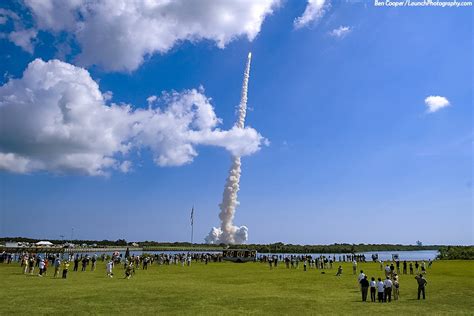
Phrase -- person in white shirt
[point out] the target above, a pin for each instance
(41, 268)
(109, 267)
(380, 290)
(354, 267)
(373, 289)
(387, 270)
(388, 289)
(361, 276)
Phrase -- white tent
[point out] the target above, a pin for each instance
(44, 243)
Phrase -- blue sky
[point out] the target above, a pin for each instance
(354, 156)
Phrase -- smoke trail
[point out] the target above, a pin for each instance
(228, 233)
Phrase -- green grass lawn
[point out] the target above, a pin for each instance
(229, 288)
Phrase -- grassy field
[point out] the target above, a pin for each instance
(228, 288)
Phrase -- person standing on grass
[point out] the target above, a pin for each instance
(26, 264)
(57, 266)
(94, 261)
(405, 267)
(373, 289)
(76, 263)
(46, 264)
(411, 267)
(388, 289)
(364, 286)
(65, 268)
(41, 267)
(354, 267)
(387, 270)
(109, 268)
(421, 285)
(380, 290)
(396, 286)
(31, 265)
(339, 271)
(128, 271)
(361, 276)
(417, 267)
(84, 264)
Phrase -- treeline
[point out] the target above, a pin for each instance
(456, 252)
(334, 248)
(118, 242)
(278, 247)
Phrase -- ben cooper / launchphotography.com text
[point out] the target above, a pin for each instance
(422, 3)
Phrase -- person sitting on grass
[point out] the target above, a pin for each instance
(339, 271)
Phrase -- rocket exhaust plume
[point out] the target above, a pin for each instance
(227, 233)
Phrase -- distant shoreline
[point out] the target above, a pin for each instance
(344, 248)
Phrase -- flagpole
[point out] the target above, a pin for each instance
(192, 225)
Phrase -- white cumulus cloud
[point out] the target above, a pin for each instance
(56, 119)
(315, 10)
(341, 31)
(436, 103)
(118, 34)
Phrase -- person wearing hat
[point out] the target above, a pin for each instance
(396, 286)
